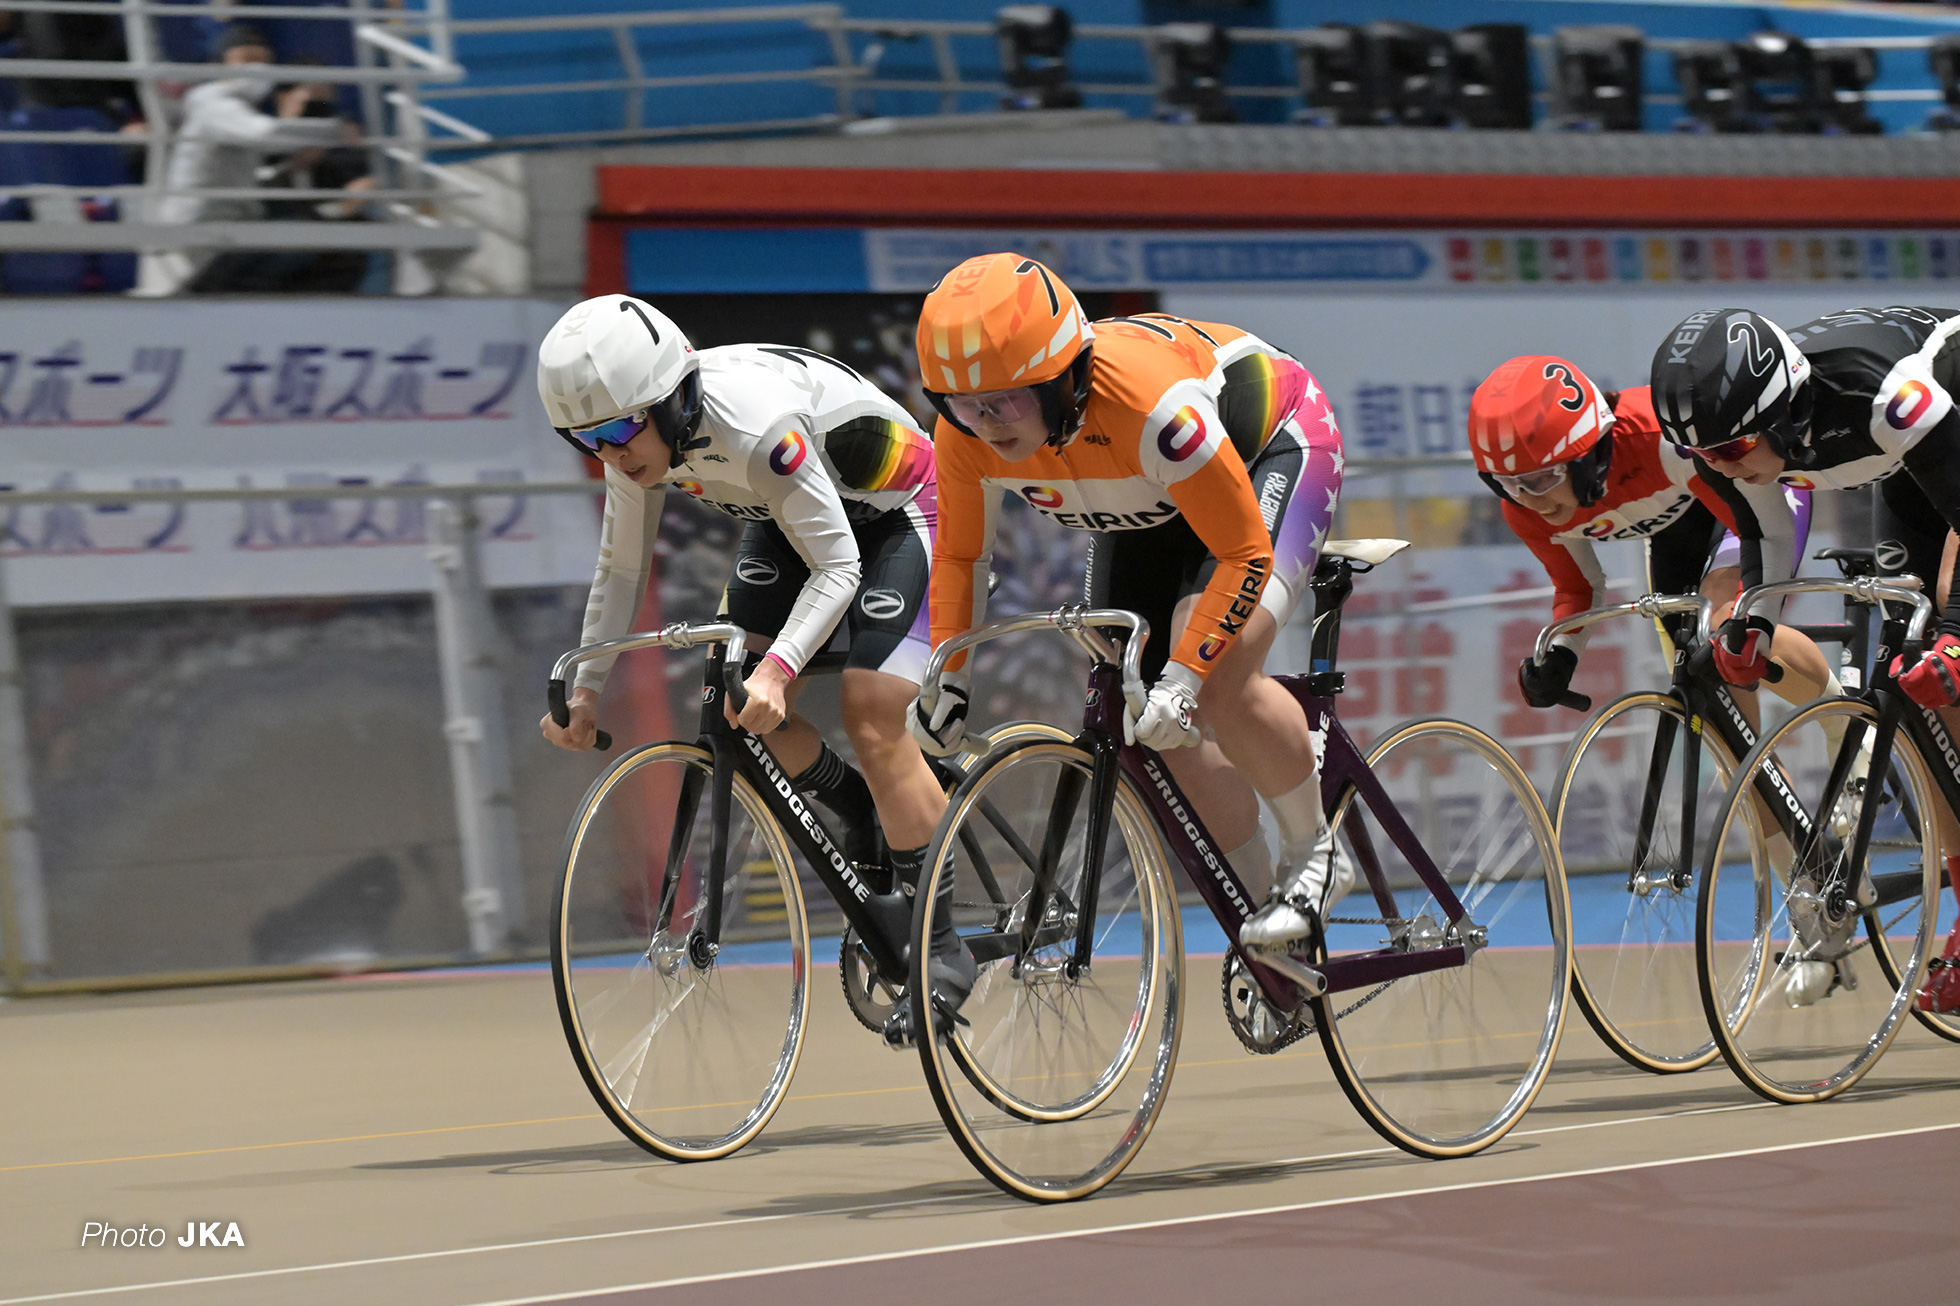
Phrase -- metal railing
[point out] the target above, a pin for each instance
(411, 193)
(857, 47)
(479, 758)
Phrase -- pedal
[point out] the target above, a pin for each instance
(898, 1029)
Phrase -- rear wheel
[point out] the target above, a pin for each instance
(1054, 1068)
(1444, 1062)
(687, 1049)
(1630, 870)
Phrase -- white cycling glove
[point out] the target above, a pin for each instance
(944, 731)
(1168, 716)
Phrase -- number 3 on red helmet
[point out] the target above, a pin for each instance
(1538, 420)
(1934, 680)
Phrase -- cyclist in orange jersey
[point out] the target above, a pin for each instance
(1208, 464)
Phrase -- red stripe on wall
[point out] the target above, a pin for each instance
(928, 196)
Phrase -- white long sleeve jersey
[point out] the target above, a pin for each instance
(786, 435)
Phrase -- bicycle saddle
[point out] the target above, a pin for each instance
(1372, 552)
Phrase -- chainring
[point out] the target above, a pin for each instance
(872, 999)
(1260, 1027)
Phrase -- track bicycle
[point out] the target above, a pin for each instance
(1790, 1000)
(680, 953)
(1439, 996)
(1633, 803)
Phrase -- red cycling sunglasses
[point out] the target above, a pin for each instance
(1729, 451)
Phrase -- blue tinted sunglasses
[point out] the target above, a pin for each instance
(620, 430)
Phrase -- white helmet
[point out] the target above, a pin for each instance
(614, 355)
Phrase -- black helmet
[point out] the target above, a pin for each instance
(1726, 373)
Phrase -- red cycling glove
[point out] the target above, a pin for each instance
(1934, 680)
(1742, 650)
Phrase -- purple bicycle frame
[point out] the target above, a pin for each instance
(1342, 768)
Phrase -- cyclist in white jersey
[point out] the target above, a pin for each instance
(837, 486)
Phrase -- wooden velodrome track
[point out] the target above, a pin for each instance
(425, 1140)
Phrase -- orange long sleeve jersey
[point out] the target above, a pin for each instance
(1176, 409)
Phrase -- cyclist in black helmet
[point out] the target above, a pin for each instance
(1842, 401)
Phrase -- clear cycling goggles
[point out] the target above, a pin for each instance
(999, 407)
(620, 430)
(1539, 482)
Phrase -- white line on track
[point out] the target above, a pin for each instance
(737, 1221)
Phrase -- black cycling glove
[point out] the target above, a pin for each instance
(1545, 682)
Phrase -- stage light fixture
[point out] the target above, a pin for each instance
(1596, 78)
(1839, 77)
(1777, 92)
(1714, 91)
(1034, 42)
(1334, 78)
(1944, 58)
(1190, 63)
(1493, 76)
(1412, 68)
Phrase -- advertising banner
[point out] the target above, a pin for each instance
(703, 260)
(311, 397)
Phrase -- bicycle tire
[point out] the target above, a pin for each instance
(1425, 1072)
(1878, 924)
(1778, 973)
(1634, 974)
(701, 1076)
(1049, 1079)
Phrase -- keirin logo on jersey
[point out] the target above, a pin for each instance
(881, 604)
(1042, 496)
(1183, 435)
(789, 454)
(1210, 648)
(756, 571)
(1908, 406)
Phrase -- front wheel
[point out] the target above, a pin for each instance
(1802, 1005)
(1443, 1062)
(1051, 1073)
(1619, 811)
(688, 1048)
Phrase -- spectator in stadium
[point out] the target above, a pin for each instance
(99, 37)
(225, 135)
(301, 271)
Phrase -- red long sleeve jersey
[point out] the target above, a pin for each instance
(1649, 486)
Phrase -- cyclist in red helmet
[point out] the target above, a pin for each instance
(1575, 465)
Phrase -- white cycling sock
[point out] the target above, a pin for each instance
(1834, 725)
(1252, 862)
(1300, 820)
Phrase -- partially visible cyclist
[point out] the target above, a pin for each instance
(1839, 402)
(1208, 463)
(1576, 465)
(835, 483)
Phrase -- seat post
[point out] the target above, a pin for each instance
(1333, 582)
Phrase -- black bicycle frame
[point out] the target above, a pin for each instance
(882, 920)
(1922, 725)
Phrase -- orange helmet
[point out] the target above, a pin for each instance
(1000, 322)
(1536, 412)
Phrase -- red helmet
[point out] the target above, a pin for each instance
(1539, 411)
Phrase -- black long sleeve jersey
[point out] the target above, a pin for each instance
(1883, 382)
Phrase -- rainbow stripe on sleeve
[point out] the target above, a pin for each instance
(876, 453)
(1260, 392)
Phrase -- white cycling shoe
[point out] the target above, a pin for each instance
(1298, 903)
